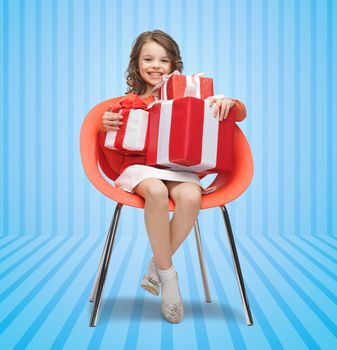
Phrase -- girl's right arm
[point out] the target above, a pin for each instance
(111, 121)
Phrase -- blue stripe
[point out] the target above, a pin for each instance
(98, 333)
(22, 124)
(103, 93)
(259, 316)
(131, 338)
(71, 113)
(297, 117)
(119, 65)
(73, 317)
(135, 14)
(24, 258)
(289, 313)
(5, 130)
(54, 116)
(166, 341)
(216, 47)
(8, 255)
(330, 179)
(199, 323)
(232, 22)
(320, 250)
(262, 320)
(200, 41)
(30, 296)
(232, 47)
(333, 237)
(183, 26)
(168, 19)
(281, 119)
(265, 96)
(24, 277)
(313, 116)
(328, 323)
(234, 330)
(332, 246)
(8, 243)
(33, 329)
(38, 168)
(86, 73)
(249, 106)
(315, 262)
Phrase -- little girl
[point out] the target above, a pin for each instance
(154, 54)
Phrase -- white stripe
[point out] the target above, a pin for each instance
(164, 91)
(197, 81)
(209, 140)
(110, 138)
(192, 87)
(164, 133)
(135, 133)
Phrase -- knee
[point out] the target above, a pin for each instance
(157, 192)
(189, 198)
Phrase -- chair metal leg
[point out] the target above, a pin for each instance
(99, 271)
(236, 262)
(202, 262)
(104, 265)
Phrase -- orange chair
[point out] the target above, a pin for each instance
(229, 187)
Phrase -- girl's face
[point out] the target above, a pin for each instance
(153, 63)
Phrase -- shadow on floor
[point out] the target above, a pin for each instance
(149, 309)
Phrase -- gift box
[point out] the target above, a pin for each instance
(178, 86)
(131, 136)
(184, 135)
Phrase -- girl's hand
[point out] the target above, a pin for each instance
(111, 121)
(223, 105)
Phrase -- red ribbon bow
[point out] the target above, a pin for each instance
(129, 102)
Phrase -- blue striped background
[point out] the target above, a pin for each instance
(60, 58)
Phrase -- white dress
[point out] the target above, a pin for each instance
(135, 174)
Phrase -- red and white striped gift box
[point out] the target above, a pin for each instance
(178, 86)
(131, 136)
(184, 135)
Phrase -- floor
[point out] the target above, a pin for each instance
(291, 284)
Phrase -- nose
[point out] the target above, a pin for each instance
(156, 64)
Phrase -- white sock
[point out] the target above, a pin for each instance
(152, 269)
(169, 285)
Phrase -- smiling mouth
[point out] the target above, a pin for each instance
(155, 75)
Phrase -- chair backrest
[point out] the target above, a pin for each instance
(229, 186)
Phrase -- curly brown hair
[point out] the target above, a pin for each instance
(133, 79)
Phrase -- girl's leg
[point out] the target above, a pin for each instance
(157, 223)
(187, 199)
